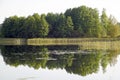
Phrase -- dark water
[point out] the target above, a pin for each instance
(58, 63)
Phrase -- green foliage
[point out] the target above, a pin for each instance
(52, 19)
(79, 22)
(13, 27)
(113, 27)
(32, 26)
(44, 27)
(109, 26)
(86, 21)
(69, 26)
(64, 26)
(104, 22)
(29, 27)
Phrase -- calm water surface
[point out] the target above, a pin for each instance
(58, 63)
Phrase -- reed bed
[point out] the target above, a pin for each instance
(12, 41)
(67, 41)
(84, 43)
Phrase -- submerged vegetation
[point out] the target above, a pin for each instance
(74, 23)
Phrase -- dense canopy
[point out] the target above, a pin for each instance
(77, 22)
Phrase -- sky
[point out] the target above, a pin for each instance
(28, 7)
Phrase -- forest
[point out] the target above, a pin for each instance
(79, 22)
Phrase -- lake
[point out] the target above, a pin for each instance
(86, 61)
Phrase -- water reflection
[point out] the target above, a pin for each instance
(70, 58)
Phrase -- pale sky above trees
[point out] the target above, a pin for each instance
(28, 7)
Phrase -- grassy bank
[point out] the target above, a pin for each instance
(67, 41)
(12, 41)
(84, 43)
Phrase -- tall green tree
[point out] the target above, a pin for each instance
(64, 26)
(20, 28)
(44, 27)
(37, 18)
(104, 22)
(93, 23)
(68, 12)
(10, 27)
(52, 19)
(69, 27)
(29, 26)
(36, 26)
(86, 21)
(59, 30)
(113, 27)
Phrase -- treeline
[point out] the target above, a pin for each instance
(77, 22)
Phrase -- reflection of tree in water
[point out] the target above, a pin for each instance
(110, 58)
(25, 55)
(39, 57)
(61, 61)
(85, 64)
